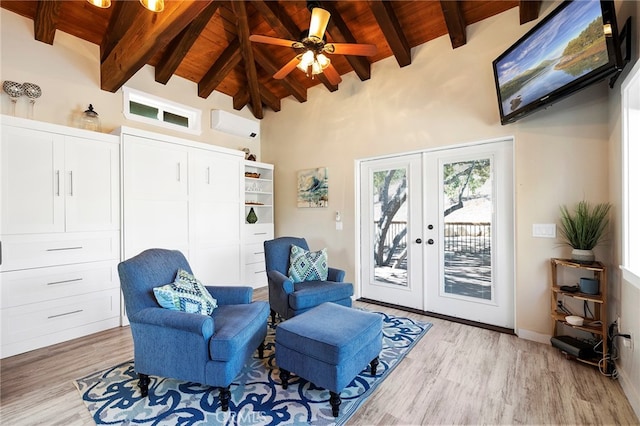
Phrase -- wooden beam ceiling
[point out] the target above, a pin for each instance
(150, 33)
(392, 30)
(247, 55)
(456, 26)
(529, 10)
(229, 58)
(45, 22)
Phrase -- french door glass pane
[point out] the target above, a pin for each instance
(468, 201)
(390, 225)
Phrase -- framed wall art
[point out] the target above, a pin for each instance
(313, 187)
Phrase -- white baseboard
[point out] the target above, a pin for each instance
(630, 391)
(534, 336)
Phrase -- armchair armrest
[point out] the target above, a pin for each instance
(281, 281)
(335, 275)
(201, 325)
(231, 295)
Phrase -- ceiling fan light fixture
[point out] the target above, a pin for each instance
(102, 4)
(153, 5)
(319, 21)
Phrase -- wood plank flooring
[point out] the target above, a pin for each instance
(457, 374)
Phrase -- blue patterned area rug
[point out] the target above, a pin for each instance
(113, 398)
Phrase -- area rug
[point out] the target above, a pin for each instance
(257, 398)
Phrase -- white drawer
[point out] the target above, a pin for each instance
(256, 275)
(23, 323)
(40, 250)
(257, 233)
(254, 253)
(56, 282)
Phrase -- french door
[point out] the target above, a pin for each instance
(437, 232)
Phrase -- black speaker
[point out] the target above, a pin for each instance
(573, 347)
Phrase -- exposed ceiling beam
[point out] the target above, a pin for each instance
(227, 61)
(284, 26)
(179, 47)
(151, 32)
(455, 22)
(271, 100)
(246, 51)
(392, 30)
(529, 10)
(324, 80)
(340, 33)
(45, 22)
(240, 99)
(122, 18)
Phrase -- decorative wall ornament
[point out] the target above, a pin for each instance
(313, 187)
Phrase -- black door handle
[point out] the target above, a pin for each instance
(419, 241)
(430, 241)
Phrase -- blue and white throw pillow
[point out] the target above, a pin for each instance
(186, 294)
(307, 265)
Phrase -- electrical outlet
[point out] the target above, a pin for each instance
(628, 343)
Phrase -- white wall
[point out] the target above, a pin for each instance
(624, 296)
(444, 97)
(69, 74)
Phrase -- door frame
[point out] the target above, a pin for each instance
(357, 214)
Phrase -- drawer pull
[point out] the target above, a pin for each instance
(66, 313)
(65, 248)
(65, 281)
(258, 252)
(260, 272)
(259, 233)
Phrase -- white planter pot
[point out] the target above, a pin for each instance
(583, 256)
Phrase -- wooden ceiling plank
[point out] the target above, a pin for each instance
(271, 100)
(392, 30)
(45, 21)
(296, 89)
(455, 22)
(240, 99)
(239, 8)
(324, 80)
(227, 61)
(340, 33)
(529, 10)
(179, 47)
(151, 32)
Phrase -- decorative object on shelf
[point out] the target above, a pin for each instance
(589, 285)
(33, 92)
(584, 229)
(90, 120)
(14, 90)
(252, 175)
(252, 217)
(313, 187)
(248, 155)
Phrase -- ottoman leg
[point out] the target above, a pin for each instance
(374, 366)
(143, 384)
(284, 378)
(335, 402)
(225, 397)
(261, 350)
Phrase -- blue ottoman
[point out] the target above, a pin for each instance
(328, 346)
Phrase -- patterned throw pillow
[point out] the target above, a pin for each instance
(307, 265)
(186, 294)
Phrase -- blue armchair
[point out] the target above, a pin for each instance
(206, 349)
(288, 299)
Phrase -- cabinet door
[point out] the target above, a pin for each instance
(32, 181)
(91, 185)
(156, 210)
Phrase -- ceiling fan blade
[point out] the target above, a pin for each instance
(289, 66)
(332, 75)
(272, 40)
(351, 49)
(319, 21)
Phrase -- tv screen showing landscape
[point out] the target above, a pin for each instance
(568, 46)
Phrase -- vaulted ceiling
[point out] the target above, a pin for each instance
(207, 41)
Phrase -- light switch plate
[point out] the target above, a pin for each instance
(544, 230)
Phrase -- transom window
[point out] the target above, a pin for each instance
(149, 109)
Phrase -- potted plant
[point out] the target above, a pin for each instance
(584, 228)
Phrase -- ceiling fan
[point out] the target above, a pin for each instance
(312, 47)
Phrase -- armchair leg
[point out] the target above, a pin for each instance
(374, 366)
(143, 384)
(284, 378)
(273, 317)
(335, 402)
(261, 350)
(225, 397)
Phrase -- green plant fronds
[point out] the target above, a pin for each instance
(585, 227)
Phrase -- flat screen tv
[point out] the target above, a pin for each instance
(573, 47)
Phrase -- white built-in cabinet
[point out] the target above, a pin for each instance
(187, 196)
(60, 233)
(258, 195)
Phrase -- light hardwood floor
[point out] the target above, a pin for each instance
(456, 374)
